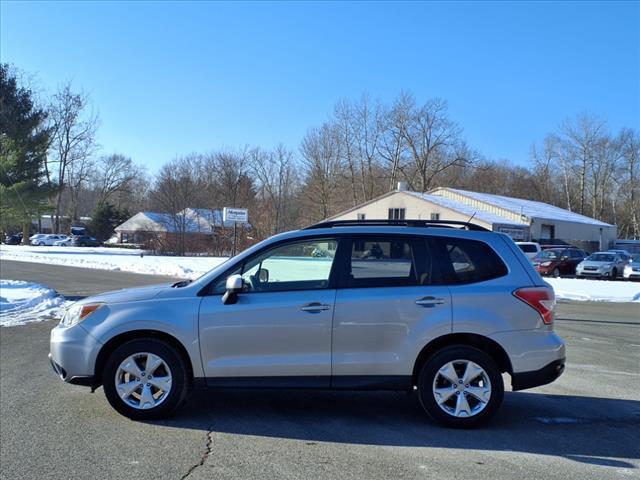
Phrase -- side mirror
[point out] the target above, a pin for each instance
(263, 275)
(233, 287)
(564, 257)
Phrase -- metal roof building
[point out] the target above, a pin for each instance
(519, 218)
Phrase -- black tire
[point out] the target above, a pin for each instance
(614, 273)
(428, 375)
(556, 273)
(180, 379)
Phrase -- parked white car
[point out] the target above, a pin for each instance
(67, 242)
(530, 249)
(48, 240)
(36, 237)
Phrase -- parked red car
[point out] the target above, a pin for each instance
(558, 261)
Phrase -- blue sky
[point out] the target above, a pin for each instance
(171, 78)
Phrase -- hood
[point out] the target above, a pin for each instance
(591, 263)
(130, 294)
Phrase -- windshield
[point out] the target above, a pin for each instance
(601, 257)
(549, 254)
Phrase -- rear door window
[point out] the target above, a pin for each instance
(386, 261)
(467, 261)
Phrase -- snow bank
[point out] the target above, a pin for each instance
(22, 302)
(595, 290)
(122, 259)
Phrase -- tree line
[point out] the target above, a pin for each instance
(50, 163)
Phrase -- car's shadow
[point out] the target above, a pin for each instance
(592, 430)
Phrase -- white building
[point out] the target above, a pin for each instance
(189, 221)
(519, 218)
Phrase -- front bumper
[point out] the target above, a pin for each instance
(535, 378)
(544, 270)
(72, 354)
(88, 381)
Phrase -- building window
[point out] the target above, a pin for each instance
(396, 214)
(435, 216)
(361, 216)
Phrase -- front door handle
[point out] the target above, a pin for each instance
(315, 307)
(429, 301)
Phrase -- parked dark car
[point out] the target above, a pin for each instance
(15, 239)
(558, 261)
(85, 241)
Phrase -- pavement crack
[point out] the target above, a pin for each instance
(205, 455)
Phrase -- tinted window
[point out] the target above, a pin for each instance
(527, 248)
(384, 261)
(468, 261)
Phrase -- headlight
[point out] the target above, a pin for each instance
(545, 264)
(76, 313)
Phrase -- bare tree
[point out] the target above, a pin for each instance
(78, 176)
(321, 157)
(178, 187)
(115, 174)
(74, 132)
(276, 184)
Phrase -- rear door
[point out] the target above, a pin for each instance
(386, 310)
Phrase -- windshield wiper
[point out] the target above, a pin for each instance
(181, 283)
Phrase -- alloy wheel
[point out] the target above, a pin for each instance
(143, 380)
(462, 388)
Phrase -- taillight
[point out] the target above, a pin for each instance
(542, 299)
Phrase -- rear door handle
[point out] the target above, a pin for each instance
(315, 307)
(429, 301)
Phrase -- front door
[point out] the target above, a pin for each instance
(279, 331)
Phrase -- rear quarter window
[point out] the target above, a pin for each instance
(465, 261)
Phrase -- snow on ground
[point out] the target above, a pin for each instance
(22, 302)
(192, 267)
(122, 259)
(595, 290)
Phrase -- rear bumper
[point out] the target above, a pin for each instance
(535, 378)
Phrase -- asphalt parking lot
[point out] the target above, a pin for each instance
(584, 426)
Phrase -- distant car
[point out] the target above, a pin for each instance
(67, 242)
(530, 249)
(626, 256)
(36, 236)
(632, 270)
(48, 240)
(15, 239)
(558, 261)
(85, 241)
(601, 265)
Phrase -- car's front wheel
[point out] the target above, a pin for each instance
(145, 379)
(460, 387)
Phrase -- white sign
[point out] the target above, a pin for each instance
(240, 215)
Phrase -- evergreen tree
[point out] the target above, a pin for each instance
(24, 139)
(105, 218)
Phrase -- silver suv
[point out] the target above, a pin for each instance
(442, 308)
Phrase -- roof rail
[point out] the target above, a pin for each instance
(398, 223)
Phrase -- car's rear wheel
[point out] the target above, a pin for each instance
(460, 387)
(41, 244)
(145, 379)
